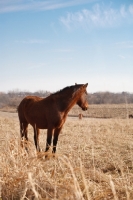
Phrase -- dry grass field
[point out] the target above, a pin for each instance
(106, 111)
(94, 159)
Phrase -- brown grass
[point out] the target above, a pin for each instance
(8, 109)
(106, 111)
(94, 161)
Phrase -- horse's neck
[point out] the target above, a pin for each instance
(66, 102)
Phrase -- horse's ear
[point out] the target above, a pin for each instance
(75, 83)
(85, 85)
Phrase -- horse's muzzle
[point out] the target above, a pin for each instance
(85, 108)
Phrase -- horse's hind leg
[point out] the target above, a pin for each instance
(21, 133)
(24, 132)
(21, 130)
(36, 137)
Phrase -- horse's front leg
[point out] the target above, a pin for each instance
(49, 138)
(55, 140)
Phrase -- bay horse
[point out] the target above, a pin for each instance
(50, 113)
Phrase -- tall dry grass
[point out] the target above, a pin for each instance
(94, 161)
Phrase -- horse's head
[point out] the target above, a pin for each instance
(82, 100)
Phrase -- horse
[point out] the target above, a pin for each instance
(50, 113)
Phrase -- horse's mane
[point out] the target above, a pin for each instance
(66, 88)
(63, 90)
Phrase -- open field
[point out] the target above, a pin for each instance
(105, 111)
(94, 161)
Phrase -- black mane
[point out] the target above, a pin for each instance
(66, 88)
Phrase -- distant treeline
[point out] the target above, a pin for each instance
(110, 98)
(13, 98)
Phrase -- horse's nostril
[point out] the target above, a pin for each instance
(85, 108)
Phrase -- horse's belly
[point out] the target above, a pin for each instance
(41, 124)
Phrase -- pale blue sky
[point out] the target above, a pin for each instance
(51, 44)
